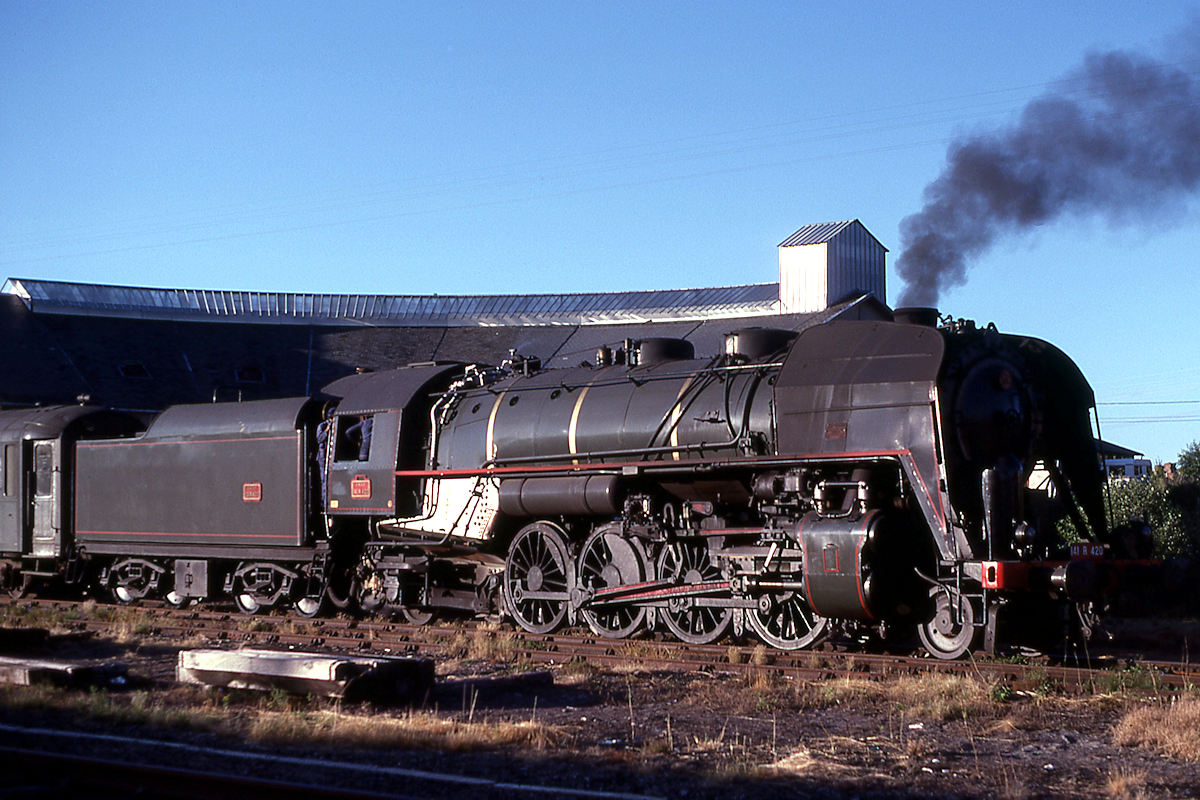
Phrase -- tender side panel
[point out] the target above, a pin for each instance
(227, 491)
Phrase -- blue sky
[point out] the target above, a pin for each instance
(460, 148)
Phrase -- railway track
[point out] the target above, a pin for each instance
(830, 661)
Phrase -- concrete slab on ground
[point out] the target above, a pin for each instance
(17, 671)
(381, 679)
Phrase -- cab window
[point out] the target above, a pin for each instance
(354, 438)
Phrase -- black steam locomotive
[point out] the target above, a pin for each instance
(859, 477)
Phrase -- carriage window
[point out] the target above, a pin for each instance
(353, 438)
(43, 466)
(12, 470)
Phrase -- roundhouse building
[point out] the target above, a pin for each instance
(146, 348)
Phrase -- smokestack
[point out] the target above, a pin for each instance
(1125, 144)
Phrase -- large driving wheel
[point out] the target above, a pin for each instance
(786, 620)
(536, 582)
(687, 563)
(951, 632)
(606, 561)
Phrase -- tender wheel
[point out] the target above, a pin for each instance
(132, 579)
(247, 603)
(259, 585)
(126, 595)
(609, 560)
(786, 621)
(176, 600)
(950, 633)
(309, 607)
(414, 615)
(536, 580)
(688, 564)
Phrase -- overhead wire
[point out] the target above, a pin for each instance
(719, 144)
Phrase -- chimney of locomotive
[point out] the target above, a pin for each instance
(916, 315)
(826, 263)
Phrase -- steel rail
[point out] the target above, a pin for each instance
(831, 661)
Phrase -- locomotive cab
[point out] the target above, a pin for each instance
(380, 426)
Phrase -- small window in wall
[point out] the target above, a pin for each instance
(43, 470)
(12, 470)
(134, 370)
(249, 374)
(353, 438)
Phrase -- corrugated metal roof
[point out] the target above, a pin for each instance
(823, 232)
(410, 310)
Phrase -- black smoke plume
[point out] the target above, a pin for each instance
(1123, 144)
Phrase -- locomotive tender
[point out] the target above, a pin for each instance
(858, 476)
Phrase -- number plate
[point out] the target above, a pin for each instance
(1087, 550)
(360, 488)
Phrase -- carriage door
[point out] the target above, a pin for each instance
(12, 517)
(47, 540)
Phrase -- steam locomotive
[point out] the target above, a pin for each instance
(861, 478)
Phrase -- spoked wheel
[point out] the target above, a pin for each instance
(609, 560)
(687, 563)
(951, 631)
(786, 621)
(536, 577)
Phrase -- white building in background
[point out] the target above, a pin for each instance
(825, 263)
(1121, 463)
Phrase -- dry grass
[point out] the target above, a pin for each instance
(941, 696)
(55, 619)
(138, 708)
(804, 762)
(490, 642)
(1172, 729)
(1126, 784)
(576, 671)
(929, 696)
(277, 717)
(836, 692)
(416, 729)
